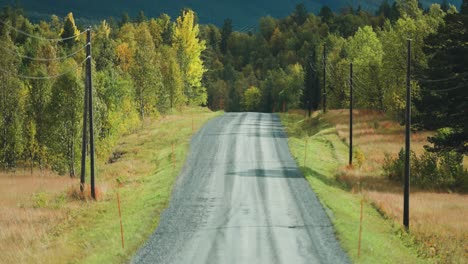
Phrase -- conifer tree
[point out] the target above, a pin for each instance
(69, 30)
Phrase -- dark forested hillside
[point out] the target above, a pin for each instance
(244, 13)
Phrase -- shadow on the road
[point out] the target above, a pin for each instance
(261, 124)
(266, 134)
(269, 134)
(284, 172)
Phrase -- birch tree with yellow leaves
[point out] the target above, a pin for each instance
(189, 48)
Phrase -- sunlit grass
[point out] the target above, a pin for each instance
(438, 225)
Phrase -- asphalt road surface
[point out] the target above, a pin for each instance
(241, 199)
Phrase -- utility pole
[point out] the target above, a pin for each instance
(91, 118)
(324, 100)
(350, 114)
(408, 141)
(84, 143)
(88, 116)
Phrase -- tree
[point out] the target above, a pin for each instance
(103, 47)
(167, 29)
(141, 17)
(300, 14)
(11, 89)
(267, 26)
(69, 31)
(326, 14)
(252, 98)
(145, 72)
(189, 48)
(36, 114)
(384, 9)
(409, 8)
(311, 95)
(225, 34)
(125, 19)
(464, 8)
(65, 115)
(442, 105)
(365, 50)
(173, 90)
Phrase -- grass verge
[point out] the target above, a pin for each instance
(382, 240)
(142, 169)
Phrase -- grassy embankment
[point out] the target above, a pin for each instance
(437, 234)
(42, 221)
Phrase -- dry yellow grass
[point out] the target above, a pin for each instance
(24, 219)
(375, 135)
(438, 221)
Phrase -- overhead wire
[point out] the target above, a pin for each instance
(41, 38)
(440, 80)
(45, 59)
(446, 90)
(45, 77)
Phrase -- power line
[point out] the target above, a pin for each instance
(41, 38)
(441, 80)
(44, 59)
(446, 90)
(44, 77)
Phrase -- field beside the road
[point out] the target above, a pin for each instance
(42, 219)
(439, 231)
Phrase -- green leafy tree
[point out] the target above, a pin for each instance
(11, 94)
(365, 50)
(145, 72)
(65, 116)
(252, 98)
(173, 92)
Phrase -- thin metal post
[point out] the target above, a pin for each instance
(324, 99)
(91, 126)
(408, 141)
(351, 114)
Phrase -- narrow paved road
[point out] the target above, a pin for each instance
(241, 199)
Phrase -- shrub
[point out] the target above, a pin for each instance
(359, 157)
(430, 170)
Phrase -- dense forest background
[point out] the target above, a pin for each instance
(145, 67)
(244, 13)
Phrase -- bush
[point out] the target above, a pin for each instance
(430, 170)
(359, 157)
